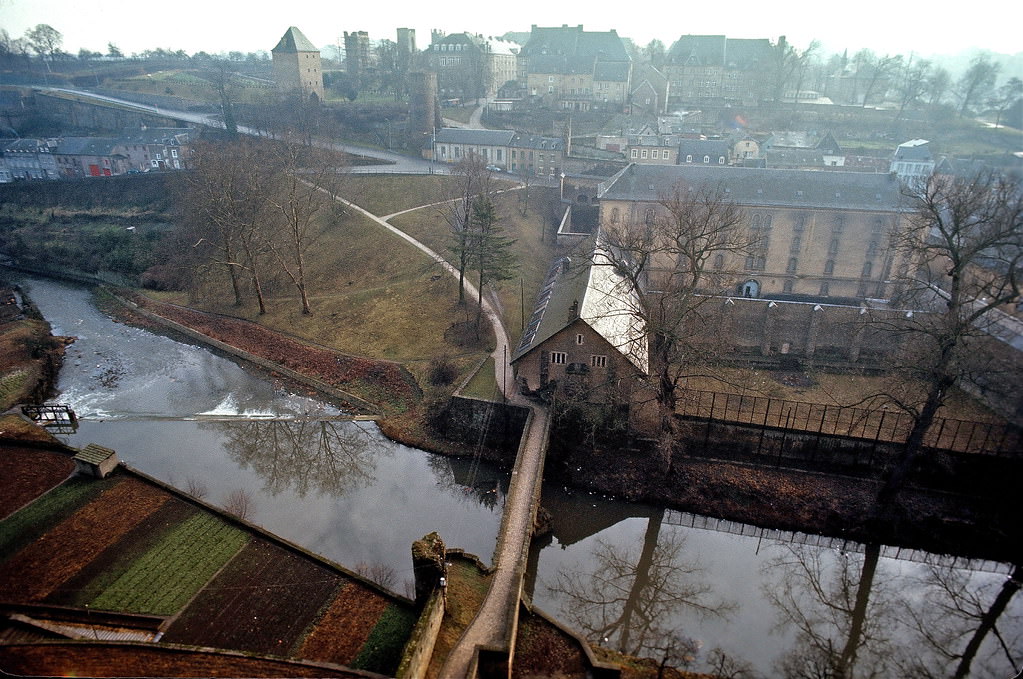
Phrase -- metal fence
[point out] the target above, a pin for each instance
(877, 424)
(687, 520)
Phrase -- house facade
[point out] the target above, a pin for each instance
(913, 162)
(507, 150)
(27, 159)
(469, 66)
(577, 70)
(820, 234)
(714, 69)
(296, 65)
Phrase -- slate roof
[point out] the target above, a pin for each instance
(597, 294)
(717, 50)
(762, 186)
(529, 141)
(87, 146)
(294, 41)
(715, 148)
(459, 135)
(914, 149)
(571, 50)
(611, 71)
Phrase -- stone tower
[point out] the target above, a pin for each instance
(424, 113)
(296, 65)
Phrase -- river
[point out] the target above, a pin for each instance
(716, 595)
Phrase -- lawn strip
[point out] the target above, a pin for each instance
(117, 558)
(28, 474)
(382, 650)
(168, 575)
(29, 523)
(345, 626)
(261, 602)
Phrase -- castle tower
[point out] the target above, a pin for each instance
(296, 64)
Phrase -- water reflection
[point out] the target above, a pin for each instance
(628, 596)
(327, 457)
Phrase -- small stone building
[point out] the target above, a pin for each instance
(296, 65)
(582, 335)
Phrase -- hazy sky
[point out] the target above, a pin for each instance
(886, 26)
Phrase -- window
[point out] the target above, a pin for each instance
(721, 160)
(868, 268)
(749, 262)
(787, 286)
(793, 263)
(719, 261)
(706, 159)
(174, 153)
(649, 216)
(833, 247)
(824, 289)
(559, 357)
(614, 215)
(598, 361)
(159, 156)
(796, 245)
(689, 158)
(635, 153)
(578, 339)
(829, 267)
(861, 290)
(871, 248)
(655, 155)
(644, 154)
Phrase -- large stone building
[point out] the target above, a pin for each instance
(820, 234)
(713, 69)
(469, 66)
(577, 70)
(296, 65)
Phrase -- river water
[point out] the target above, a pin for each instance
(633, 577)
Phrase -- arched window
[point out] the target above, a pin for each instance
(614, 215)
(756, 221)
(706, 159)
(829, 267)
(689, 157)
(721, 160)
(793, 263)
(719, 261)
(649, 217)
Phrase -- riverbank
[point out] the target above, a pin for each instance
(836, 506)
(31, 354)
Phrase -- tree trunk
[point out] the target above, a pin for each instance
(987, 623)
(646, 557)
(847, 660)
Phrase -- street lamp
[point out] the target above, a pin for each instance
(562, 187)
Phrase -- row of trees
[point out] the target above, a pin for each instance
(253, 209)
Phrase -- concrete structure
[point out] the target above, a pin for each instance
(296, 65)
(821, 234)
(577, 70)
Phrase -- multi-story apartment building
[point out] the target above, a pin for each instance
(296, 64)
(818, 234)
(27, 159)
(578, 70)
(469, 66)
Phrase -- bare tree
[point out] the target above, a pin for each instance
(964, 251)
(226, 210)
(308, 180)
(472, 183)
(671, 266)
(45, 40)
(195, 488)
(882, 69)
(978, 80)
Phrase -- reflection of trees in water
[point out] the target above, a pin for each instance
(628, 601)
(327, 457)
(965, 627)
(466, 482)
(853, 619)
(842, 613)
